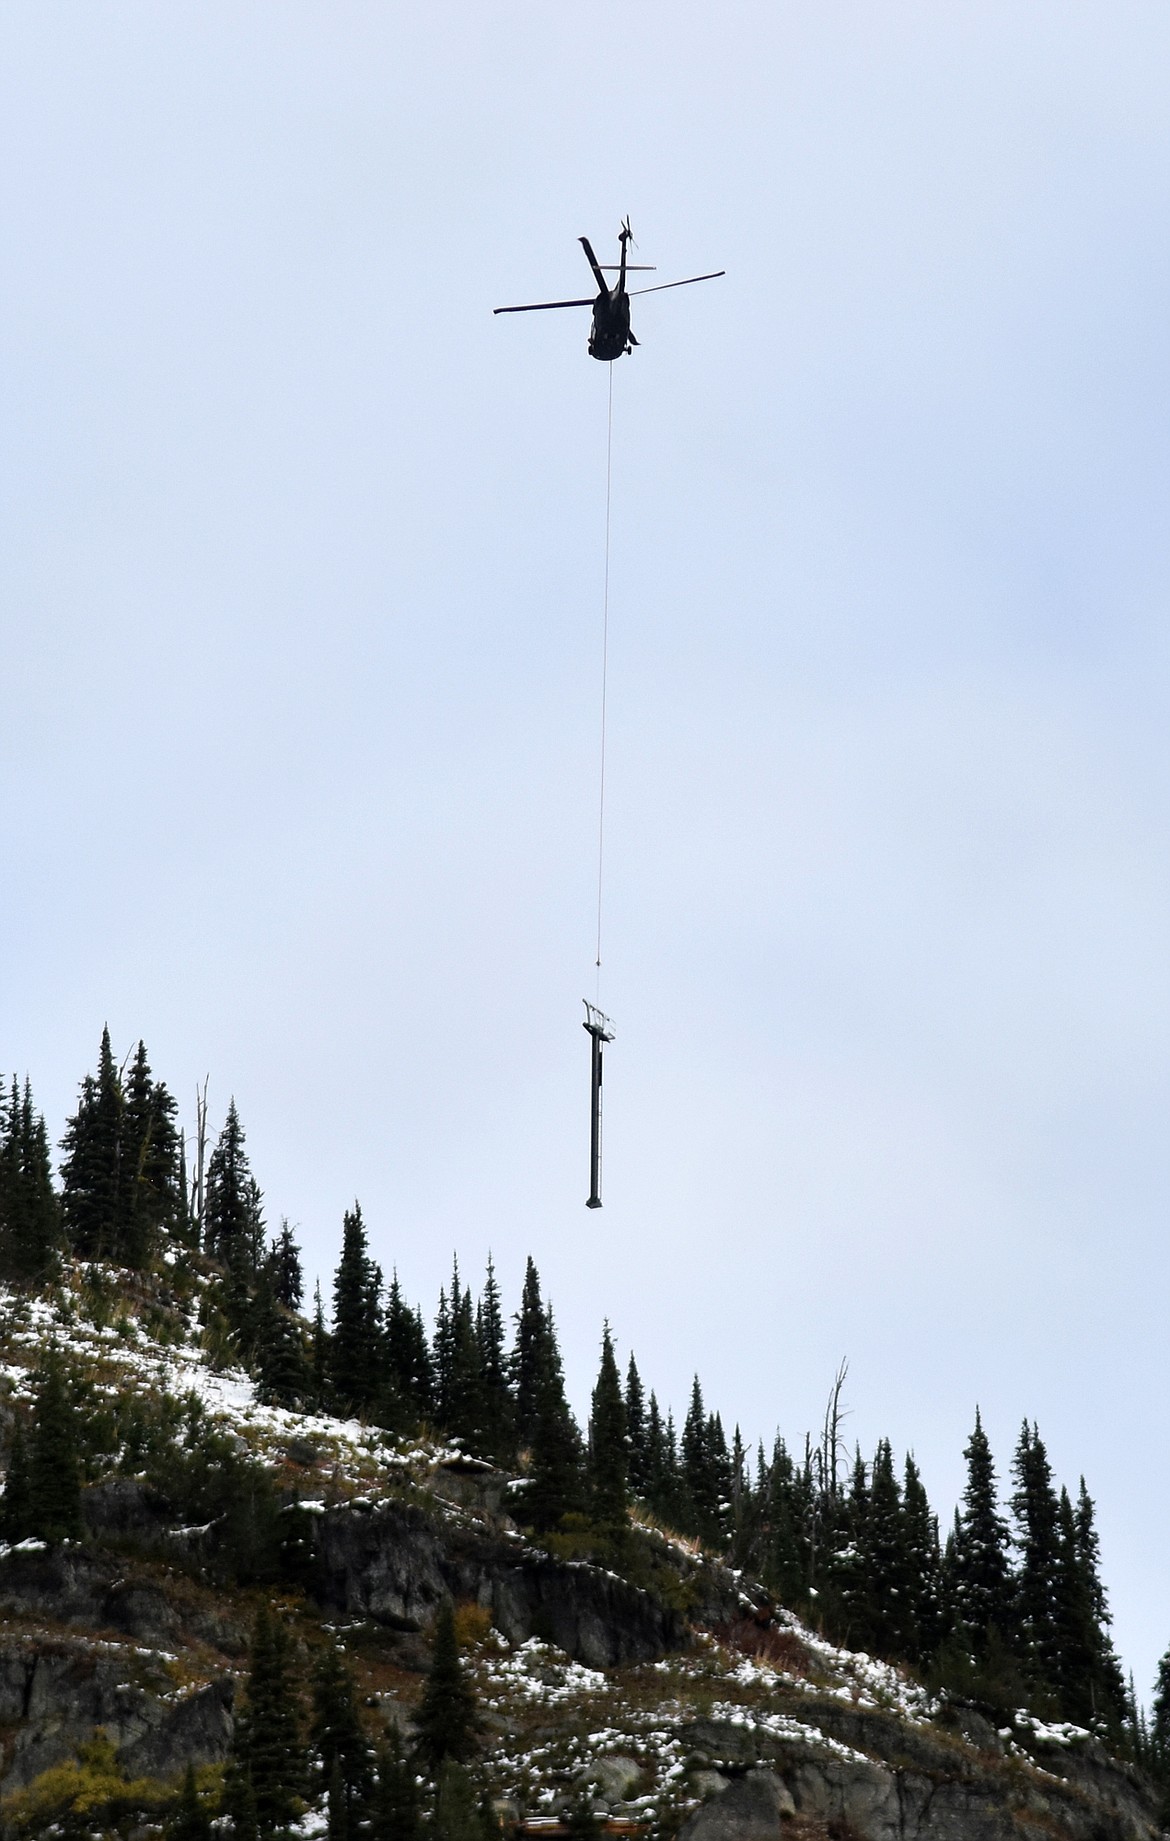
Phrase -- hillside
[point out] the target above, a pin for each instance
(665, 1692)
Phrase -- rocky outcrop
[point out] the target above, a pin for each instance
(896, 1780)
(85, 1589)
(394, 1564)
(56, 1694)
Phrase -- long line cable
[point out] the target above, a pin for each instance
(604, 676)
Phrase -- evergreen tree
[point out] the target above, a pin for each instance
(1159, 1735)
(93, 1190)
(30, 1216)
(556, 1471)
(656, 1480)
(16, 1505)
(723, 1482)
(284, 1267)
(529, 1356)
(608, 1460)
(846, 1593)
(781, 1561)
(277, 1350)
(890, 1609)
(664, 1486)
(154, 1201)
(409, 1394)
(636, 1430)
(1075, 1627)
(190, 1819)
(1109, 1681)
(233, 1217)
(121, 1186)
(924, 1568)
(54, 1466)
(980, 1581)
(458, 1816)
(338, 1742)
(700, 1491)
(266, 1764)
(1036, 1512)
(394, 1810)
(706, 1472)
(356, 1329)
(337, 1808)
(496, 1430)
(457, 1364)
(1090, 1682)
(445, 1721)
(742, 1523)
(320, 1353)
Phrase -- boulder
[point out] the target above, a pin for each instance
(751, 1809)
(613, 1778)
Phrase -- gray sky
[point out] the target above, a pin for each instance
(300, 578)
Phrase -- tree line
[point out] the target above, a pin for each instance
(1008, 1606)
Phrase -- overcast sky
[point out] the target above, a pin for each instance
(300, 582)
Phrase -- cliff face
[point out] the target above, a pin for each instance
(393, 1565)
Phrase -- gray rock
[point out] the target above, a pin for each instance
(57, 1695)
(88, 1590)
(394, 1564)
(974, 1726)
(901, 1781)
(708, 1783)
(614, 1778)
(749, 1810)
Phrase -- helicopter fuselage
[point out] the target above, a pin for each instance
(609, 334)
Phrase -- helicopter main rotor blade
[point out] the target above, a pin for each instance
(544, 306)
(632, 268)
(663, 285)
(594, 264)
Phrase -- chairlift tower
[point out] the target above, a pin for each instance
(600, 1030)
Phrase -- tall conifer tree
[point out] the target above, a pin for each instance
(924, 1566)
(233, 1213)
(354, 1343)
(30, 1215)
(154, 1201)
(529, 1356)
(16, 1505)
(266, 1765)
(890, 1609)
(339, 1744)
(980, 1582)
(445, 1720)
(394, 1810)
(636, 1431)
(1037, 1536)
(54, 1466)
(496, 1435)
(284, 1267)
(93, 1175)
(608, 1461)
(555, 1477)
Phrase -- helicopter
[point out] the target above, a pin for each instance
(609, 335)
